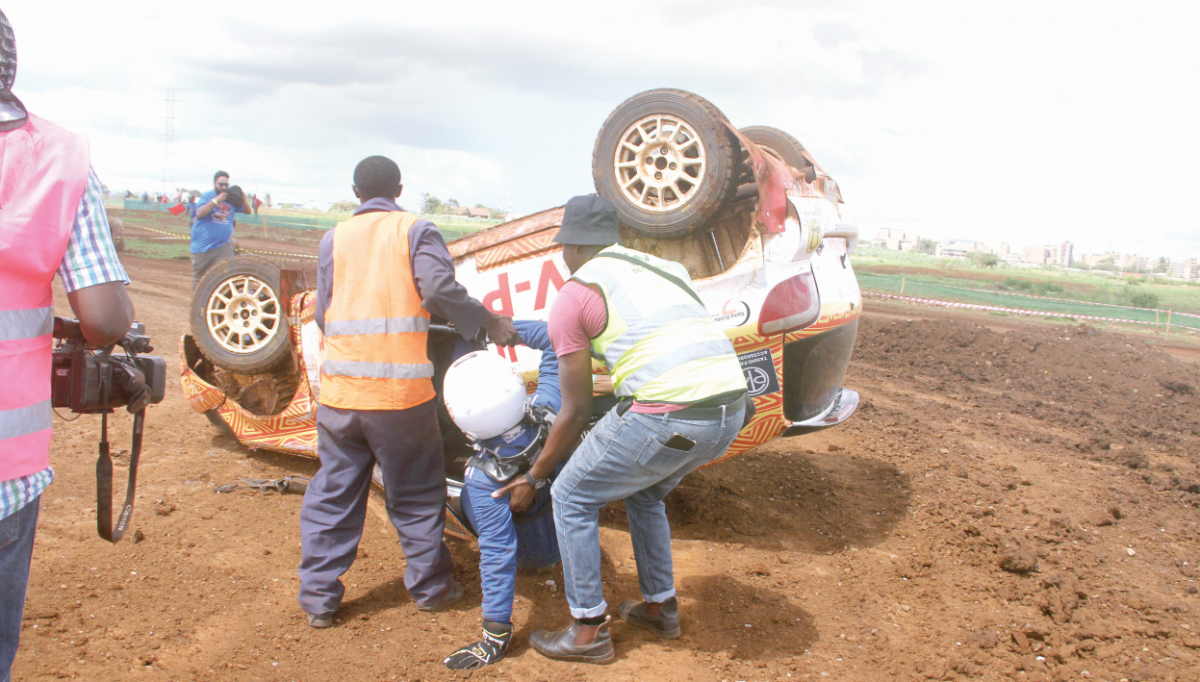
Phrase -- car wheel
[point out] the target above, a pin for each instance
(778, 144)
(238, 317)
(667, 160)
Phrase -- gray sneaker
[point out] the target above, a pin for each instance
(455, 594)
(664, 626)
(324, 620)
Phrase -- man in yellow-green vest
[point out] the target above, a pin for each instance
(683, 401)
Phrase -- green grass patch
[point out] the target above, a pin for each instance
(158, 250)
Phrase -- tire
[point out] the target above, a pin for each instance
(250, 287)
(778, 144)
(669, 194)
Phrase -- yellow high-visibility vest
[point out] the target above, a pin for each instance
(660, 344)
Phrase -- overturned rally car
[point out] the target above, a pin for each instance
(762, 230)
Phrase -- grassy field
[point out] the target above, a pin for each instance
(882, 267)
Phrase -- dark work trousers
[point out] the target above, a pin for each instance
(408, 447)
(201, 262)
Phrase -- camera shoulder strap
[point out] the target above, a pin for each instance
(104, 481)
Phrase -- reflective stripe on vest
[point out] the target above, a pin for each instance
(660, 345)
(26, 324)
(43, 173)
(22, 421)
(382, 325)
(375, 327)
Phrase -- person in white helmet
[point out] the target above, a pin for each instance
(486, 398)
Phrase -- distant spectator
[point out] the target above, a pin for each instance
(212, 229)
(145, 196)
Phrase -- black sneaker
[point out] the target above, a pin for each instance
(493, 646)
(664, 626)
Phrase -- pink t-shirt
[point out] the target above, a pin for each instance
(578, 316)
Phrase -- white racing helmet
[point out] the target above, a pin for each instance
(484, 394)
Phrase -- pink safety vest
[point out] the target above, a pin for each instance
(43, 173)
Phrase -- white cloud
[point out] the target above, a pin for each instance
(1021, 122)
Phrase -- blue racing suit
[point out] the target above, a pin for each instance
(528, 540)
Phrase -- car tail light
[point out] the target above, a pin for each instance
(793, 304)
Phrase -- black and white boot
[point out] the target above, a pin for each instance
(493, 646)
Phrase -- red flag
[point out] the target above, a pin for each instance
(177, 209)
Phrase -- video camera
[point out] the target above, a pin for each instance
(94, 381)
(89, 382)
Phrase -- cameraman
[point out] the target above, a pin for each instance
(52, 220)
(212, 230)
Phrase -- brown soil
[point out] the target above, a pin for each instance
(1016, 503)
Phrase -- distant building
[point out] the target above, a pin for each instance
(1094, 259)
(1188, 268)
(1003, 252)
(1038, 255)
(896, 240)
(1062, 254)
(960, 248)
(478, 213)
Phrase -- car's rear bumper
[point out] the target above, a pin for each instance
(839, 411)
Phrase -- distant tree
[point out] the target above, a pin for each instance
(343, 206)
(196, 193)
(452, 203)
(481, 206)
(1163, 265)
(430, 203)
(927, 246)
(987, 260)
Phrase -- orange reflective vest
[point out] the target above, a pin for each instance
(375, 327)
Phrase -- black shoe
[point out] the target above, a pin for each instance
(664, 626)
(561, 645)
(455, 594)
(493, 646)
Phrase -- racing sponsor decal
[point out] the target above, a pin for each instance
(733, 314)
(759, 368)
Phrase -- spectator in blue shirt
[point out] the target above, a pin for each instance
(212, 230)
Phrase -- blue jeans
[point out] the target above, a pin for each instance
(504, 543)
(16, 549)
(625, 458)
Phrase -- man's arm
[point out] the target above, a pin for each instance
(575, 380)
(105, 312)
(210, 205)
(92, 274)
(443, 296)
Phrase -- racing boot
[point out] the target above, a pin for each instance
(493, 646)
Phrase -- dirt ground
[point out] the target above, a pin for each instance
(1017, 502)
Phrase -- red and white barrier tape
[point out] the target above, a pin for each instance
(1018, 311)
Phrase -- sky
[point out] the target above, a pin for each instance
(1021, 122)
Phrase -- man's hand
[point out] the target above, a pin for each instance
(501, 330)
(221, 197)
(522, 493)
